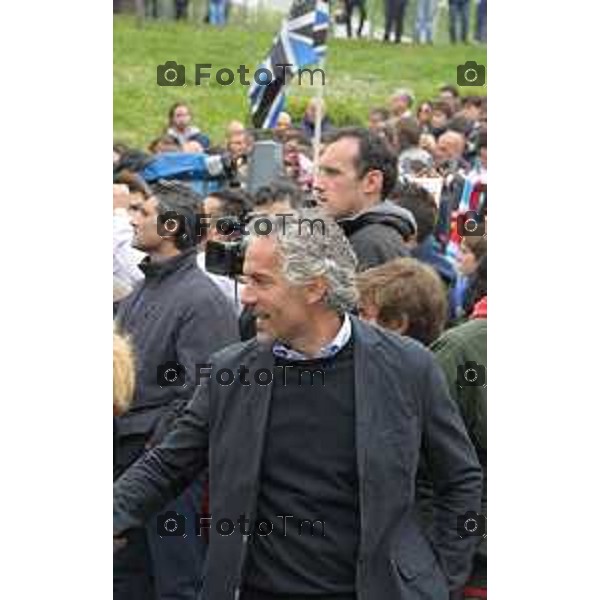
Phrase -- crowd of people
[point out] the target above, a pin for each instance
(373, 273)
(394, 15)
(425, 19)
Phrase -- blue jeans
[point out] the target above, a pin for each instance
(425, 15)
(216, 12)
(481, 30)
(459, 19)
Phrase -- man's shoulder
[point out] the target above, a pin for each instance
(235, 354)
(201, 282)
(401, 350)
(196, 292)
(467, 341)
(463, 334)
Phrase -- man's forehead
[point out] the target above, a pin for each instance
(149, 204)
(261, 253)
(342, 150)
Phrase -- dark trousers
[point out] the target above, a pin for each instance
(181, 9)
(394, 19)
(458, 19)
(350, 5)
(151, 567)
(481, 29)
(132, 569)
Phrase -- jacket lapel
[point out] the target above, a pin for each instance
(365, 343)
(257, 400)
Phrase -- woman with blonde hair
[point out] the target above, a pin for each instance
(123, 373)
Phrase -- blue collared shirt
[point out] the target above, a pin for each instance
(331, 349)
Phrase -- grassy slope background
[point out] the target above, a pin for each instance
(360, 74)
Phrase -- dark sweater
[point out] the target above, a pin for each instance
(309, 471)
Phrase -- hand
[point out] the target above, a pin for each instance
(118, 543)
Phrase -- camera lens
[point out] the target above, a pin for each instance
(473, 77)
(171, 225)
(471, 228)
(171, 375)
(170, 525)
(471, 525)
(172, 78)
(471, 375)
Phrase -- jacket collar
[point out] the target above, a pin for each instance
(157, 270)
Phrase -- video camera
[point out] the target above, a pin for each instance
(225, 258)
(265, 165)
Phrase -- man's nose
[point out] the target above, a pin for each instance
(318, 183)
(247, 296)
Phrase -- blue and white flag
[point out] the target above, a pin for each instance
(302, 41)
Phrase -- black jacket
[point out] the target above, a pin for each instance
(402, 405)
(175, 314)
(377, 235)
(427, 252)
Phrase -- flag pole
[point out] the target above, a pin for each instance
(320, 92)
(318, 118)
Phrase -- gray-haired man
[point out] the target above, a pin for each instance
(313, 479)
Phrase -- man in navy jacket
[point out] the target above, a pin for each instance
(175, 318)
(339, 456)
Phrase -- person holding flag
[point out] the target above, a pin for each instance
(300, 42)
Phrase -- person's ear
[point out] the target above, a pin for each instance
(372, 182)
(400, 325)
(315, 291)
(411, 241)
(368, 312)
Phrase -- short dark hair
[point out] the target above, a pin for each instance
(409, 132)
(174, 107)
(279, 190)
(476, 101)
(233, 202)
(155, 145)
(178, 197)
(135, 183)
(380, 110)
(374, 154)
(442, 106)
(420, 203)
(406, 288)
(460, 124)
(450, 88)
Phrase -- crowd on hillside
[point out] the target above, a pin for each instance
(343, 12)
(388, 300)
